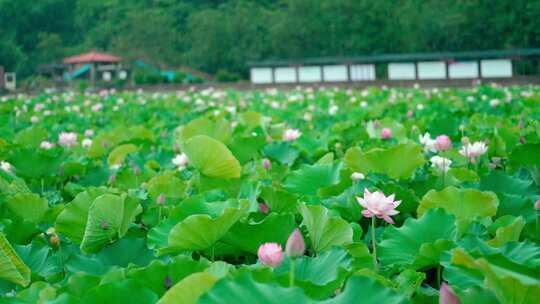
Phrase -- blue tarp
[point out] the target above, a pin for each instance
(82, 70)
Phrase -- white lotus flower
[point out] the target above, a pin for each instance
(440, 163)
(181, 161)
(428, 143)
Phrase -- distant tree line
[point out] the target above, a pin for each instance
(223, 35)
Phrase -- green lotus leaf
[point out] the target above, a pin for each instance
(325, 231)
(156, 275)
(71, 222)
(279, 200)
(38, 292)
(28, 206)
(119, 154)
(189, 289)
(464, 204)
(211, 157)
(244, 289)
(167, 184)
(507, 233)
(282, 152)
(397, 162)
(416, 243)
(31, 137)
(316, 283)
(498, 181)
(12, 268)
(36, 163)
(108, 219)
(219, 130)
(309, 179)
(121, 291)
(525, 155)
(201, 231)
(509, 282)
(249, 236)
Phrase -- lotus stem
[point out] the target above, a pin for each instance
(291, 273)
(374, 244)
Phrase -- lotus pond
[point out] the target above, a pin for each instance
(302, 196)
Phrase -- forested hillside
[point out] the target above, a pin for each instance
(223, 35)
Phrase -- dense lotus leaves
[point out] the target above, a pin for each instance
(325, 231)
(211, 157)
(464, 204)
(12, 268)
(109, 217)
(418, 243)
(397, 162)
(509, 282)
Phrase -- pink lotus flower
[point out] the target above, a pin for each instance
(291, 134)
(447, 295)
(386, 133)
(379, 205)
(270, 254)
(295, 246)
(443, 143)
(67, 139)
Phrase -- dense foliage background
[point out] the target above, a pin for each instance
(215, 35)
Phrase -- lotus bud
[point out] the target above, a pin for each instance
(447, 295)
(104, 225)
(270, 254)
(410, 114)
(54, 240)
(537, 205)
(443, 143)
(356, 176)
(112, 179)
(386, 133)
(267, 164)
(167, 282)
(522, 140)
(376, 124)
(295, 246)
(161, 199)
(263, 208)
